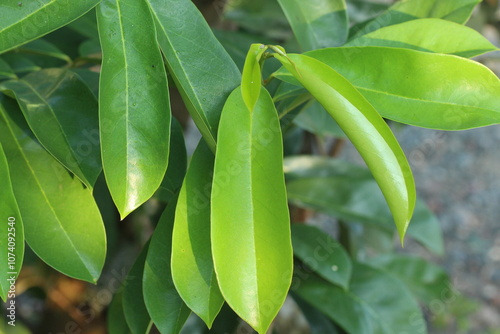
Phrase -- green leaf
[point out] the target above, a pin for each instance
(428, 282)
(20, 63)
(202, 70)
(192, 265)
(24, 21)
(116, 322)
(318, 23)
(12, 232)
(62, 113)
(41, 47)
(319, 323)
(457, 11)
(365, 128)
(250, 222)
(135, 123)
(62, 223)
(251, 76)
(376, 303)
(6, 71)
(134, 309)
(432, 35)
(177, 164)
(419, 88)
(86, 25)
(349, 192)
(164, 304)
(322, 253)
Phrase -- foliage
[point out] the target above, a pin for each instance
(86, 89)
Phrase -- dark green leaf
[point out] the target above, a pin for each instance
(41, 47)
(62, 223)
(11, 231)
(322, 253)
(24, 21)
(134, 309)
(19, 63)
(315, 119)
(202, 70)
(135, 123)
(6, 71)
(192, 265)
(164, 304)
(62, 113)
(427, 281)
(369, 307)
(317, 23)
(116, 318)
(177, 163)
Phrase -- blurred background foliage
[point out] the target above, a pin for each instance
(49, 302)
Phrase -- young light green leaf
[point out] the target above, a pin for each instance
(368, 307)
(24, 21)
(202, 70)
(457, 11)
(62, 223)
(317, 24)
(250, 222)
(251, 76)
(433, 35)
(322, 253)
(365, 128)
(192, 265)
(177, 164)
(116, 322)
(62, 113)
(419, 88)
(134, 308)
(349, 192)
(164, 304)
(134, 123)
(11, 232)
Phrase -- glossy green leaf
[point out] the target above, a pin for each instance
(62, 223)
(457, 11)
(419, 88)
(315, 119)
(24, 21)
(432, 35)
(62, 113)
(251, 76)
(322, 253)
(317, 23)
(192, 265)
(41, 47)
(365, 129)
(135, 123)
(369, 305)
(165, 306)
(116, 322)
(349, 192)
(202, 70)
(134, 309)
(11, 231)
(427, 281)
(250, 222)
(177, 164)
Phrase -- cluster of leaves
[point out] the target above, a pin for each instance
(69, 113)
